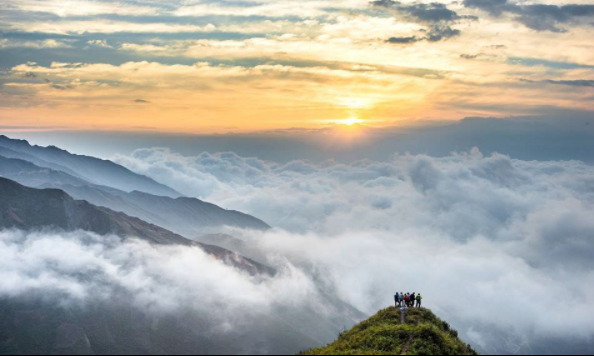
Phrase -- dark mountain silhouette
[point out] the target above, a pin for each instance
(384, 334)
(93, 170)
(185, 216)
(29, 209)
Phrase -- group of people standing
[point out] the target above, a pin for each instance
(408, 300)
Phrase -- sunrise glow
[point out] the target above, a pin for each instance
(351, 122)
(223, 66)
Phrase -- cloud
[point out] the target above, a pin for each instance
(40, 44)
(511, 235)
(538, 17)
(100, 43)
(571, 83)
(574, 83)
(403, 40)
(30, 128)
(156, 279)
(436, 16)
(67, 8)
(98, 25)
(141, 101)
(535, 62)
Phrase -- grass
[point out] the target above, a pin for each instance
(422, 334)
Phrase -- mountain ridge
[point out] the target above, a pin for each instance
(30, 209)
(182, 215)
(92, 169)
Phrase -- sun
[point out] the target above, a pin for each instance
(350, 122)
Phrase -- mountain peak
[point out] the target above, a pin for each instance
(383, 334)
(15, 141)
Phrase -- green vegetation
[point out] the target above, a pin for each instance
(422, 334)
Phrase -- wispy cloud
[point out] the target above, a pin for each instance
(538, 17)
(572, 83)
(41, 44)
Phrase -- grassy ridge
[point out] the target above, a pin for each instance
(422, 334)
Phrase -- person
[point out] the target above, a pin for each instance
(413, 298)
(396, 300)
(406, 300)
(419, 300)
(401, 299)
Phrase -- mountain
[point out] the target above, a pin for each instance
(37, 323)
(185, 216)
(29, 209)
(93, 170)
(32, 175)
(421, 334)
(8, 153)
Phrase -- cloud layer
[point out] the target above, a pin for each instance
(492, 242)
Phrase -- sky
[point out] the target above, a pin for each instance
(206, 67)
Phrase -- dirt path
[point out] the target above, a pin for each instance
(406, 347)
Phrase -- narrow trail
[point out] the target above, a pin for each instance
(406, 347)
(409, 342)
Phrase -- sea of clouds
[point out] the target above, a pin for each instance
(501, 247)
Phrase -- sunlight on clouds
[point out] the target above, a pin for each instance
(195, 98)
(81, 7)
(307, 8)
(110, 27)
(282, 65)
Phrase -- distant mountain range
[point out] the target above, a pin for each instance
(51, 189)
(35, 324)
(33, 209)
(91, 169)
(104, 183)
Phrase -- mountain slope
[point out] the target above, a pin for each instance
(421, 334)
(92, 169)
(32, 175)
(39, 324)
(8, 153)
(186, 216)
(28, 209)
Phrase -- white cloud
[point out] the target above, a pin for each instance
(107, 27)
(275, 8)
(67, 8)
(100, 43)
(161, 279)
(5, 43)
(492, 242)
